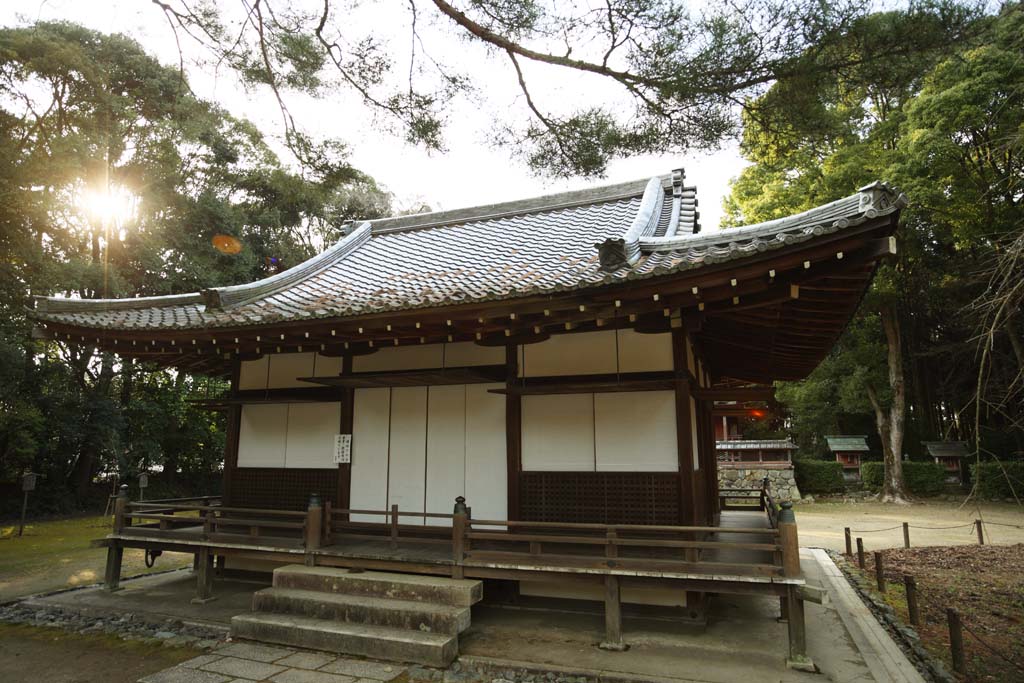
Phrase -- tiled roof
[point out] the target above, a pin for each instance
(946, 449)
(847, 443)
(755, 445)
(546, 245)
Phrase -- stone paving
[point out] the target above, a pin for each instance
(248, 662)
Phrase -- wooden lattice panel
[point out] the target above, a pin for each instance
(600, 497)
(279, 488)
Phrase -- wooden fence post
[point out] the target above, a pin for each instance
(788, 540)
(458, 538)
(849, 541)
(956, 640)
(313, 528)
(120, 506)
(879, 572)
(981, 534)
(860, 553)
(906, 534)
(913, 611)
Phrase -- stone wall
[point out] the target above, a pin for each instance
(782, 481)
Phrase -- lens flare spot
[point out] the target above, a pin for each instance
(226, 244)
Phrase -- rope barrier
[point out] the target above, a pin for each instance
(869, 531)
(928, 601)
(958, 526)
(914, 526)
(1015, 526)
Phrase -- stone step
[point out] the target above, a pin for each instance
(435, 589)
(361, 609)
(378, 642)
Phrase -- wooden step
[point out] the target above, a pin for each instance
(415, 587)
(361, 609)
(378, 642)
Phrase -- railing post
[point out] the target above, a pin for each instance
(981, 534)
(879, 572)
(956, 640)
(849, 541)
(458, 539)
(913, 612)
(314, 523)
(208, 518)
(860, 553)
(325, 538)
(120, 506)
(906, 534)
(789, 541)
(394, 526)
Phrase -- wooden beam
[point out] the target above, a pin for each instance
(735, 393)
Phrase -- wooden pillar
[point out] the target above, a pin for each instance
(343, 496)
(789, 541)
(797, 658)
(233, 428)
(513, 434)
(684, 428)
(458, 541)
(204, 577)
(612, 616)
(112, 574)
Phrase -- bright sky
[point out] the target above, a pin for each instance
(471, 171)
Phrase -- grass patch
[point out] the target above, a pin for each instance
(55, 554)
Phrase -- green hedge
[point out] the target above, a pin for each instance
(818, 476)
(993, 483)
(921, 478)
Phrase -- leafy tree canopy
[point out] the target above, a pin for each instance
(680, 75)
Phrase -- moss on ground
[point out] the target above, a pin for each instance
(55, 554)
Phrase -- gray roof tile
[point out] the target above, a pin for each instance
(539, 246)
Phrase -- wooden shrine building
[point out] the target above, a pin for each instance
(553, 362)
(848, 451)
(951, 455)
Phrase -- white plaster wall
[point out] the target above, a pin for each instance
(286, 367)
(399, 358)
(446, 449)
(444, 441)
(486, 463)
(644, 352)
(570, 354)
(464, 354)
(558, 433)
(311, 431)
(281, 371)
(262, 435)
(636, 432)
(408, 453)
(370, 442)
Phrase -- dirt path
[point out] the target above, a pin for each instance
(821, 524)
(30, 655)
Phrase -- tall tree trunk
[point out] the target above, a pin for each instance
(891, 422)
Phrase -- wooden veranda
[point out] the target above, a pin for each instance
(751, 551)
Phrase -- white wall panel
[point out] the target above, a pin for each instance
(486, 465)
(253, 373)
(636, 432)
(644, 352)
(446, 448)
(399, 358)
(406, 477)
(570, 354)
(370, 437)
(326, 365)
(462, 354)
(558, 433)
(311, 431)
(261, 436)
(285, 367)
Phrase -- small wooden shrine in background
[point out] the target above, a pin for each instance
(848, 451)
(949, 454)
